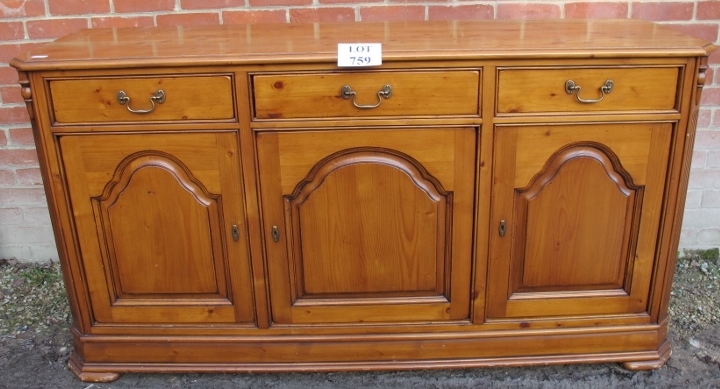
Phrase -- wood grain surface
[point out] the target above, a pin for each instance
(402, 41)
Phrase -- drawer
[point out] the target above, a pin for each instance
(320, 95)
(95, 100)
(544, 90)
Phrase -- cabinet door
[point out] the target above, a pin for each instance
(154, 215)
(368, 226)
(576, 210)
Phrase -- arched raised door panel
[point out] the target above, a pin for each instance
(574, 223)
(154, 251)
(381, 237)
(579, 209)
(364, 234)
(155, 205)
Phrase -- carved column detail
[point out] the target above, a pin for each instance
(26, 93)
(702, 76)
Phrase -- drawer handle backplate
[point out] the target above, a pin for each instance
(347, 92)
(571, 87)
(124, 99)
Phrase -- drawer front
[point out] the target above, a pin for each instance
(185, 98)
(422, 93)
(544, 90)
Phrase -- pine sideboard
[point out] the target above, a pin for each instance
(495, 193)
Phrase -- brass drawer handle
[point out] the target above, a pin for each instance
(347, 92)
(570, 87)
(124, 99)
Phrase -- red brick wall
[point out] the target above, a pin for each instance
(24, 225)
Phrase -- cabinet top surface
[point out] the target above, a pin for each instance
(317, 42)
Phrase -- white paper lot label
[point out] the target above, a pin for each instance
(359, 54)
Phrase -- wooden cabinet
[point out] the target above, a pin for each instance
(496, 193)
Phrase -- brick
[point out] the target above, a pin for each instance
(204, 18)
(708, 10)
(688, 237)
(18, 157)
(21, 9)
(8, 75)
(25, 234)
(701, 218)
(694, 199)
(476, 11)
(704, 117)
(12, 50)
(124, 6)
(710, 237)
(705, 140)
(713, 159)
(596, 10)
(204, 4)
(54, 28)
(253, 17)
(528, 11)
(36, 215)
(11, 94)
(704, 31)
(714, 58)
(29, 177)
(21, 253)
(7, 177)
(698, 159)
(418, 1)
(21, 137)
(9, 51)
(11, 216)
(352, 2)
(10, 31)
(14, 115)
(122, 21)
(710, 96)
(710, 76)
(716, 119)
(662, 10)
(18, 252)
(3, 138)
(710, 199)
(392, 12)
(79, 7)
(704, 179)
(335, 14)
(10, 197)
(275, 3)
(43, 253)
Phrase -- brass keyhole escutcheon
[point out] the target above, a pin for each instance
(235, 232)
